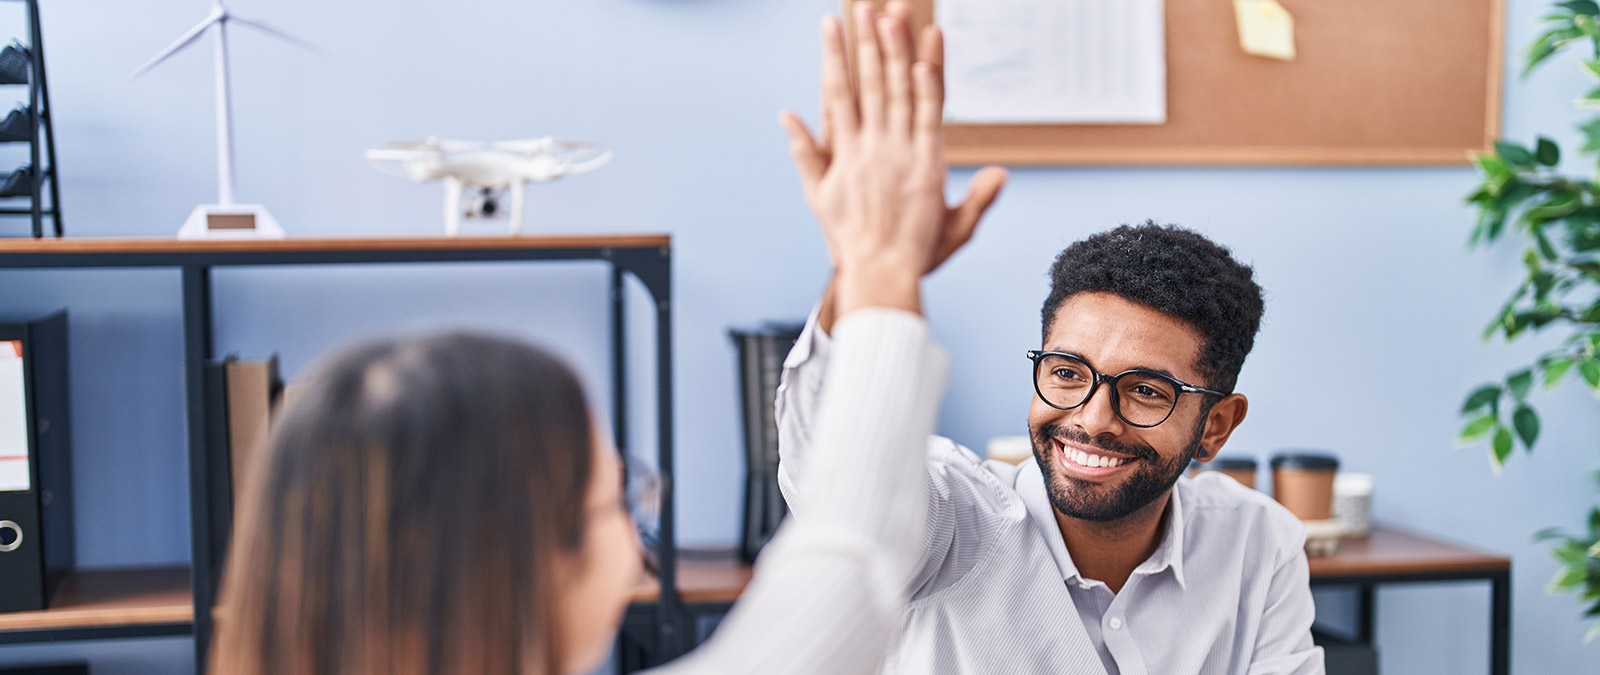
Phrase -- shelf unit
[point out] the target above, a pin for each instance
(40, 177)
(149, 602)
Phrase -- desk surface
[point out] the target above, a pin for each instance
(702, 581)
(112, 598)
(1392, 551)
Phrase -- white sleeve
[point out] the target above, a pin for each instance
(829, 589)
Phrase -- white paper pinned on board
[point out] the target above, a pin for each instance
(1265, 29)
(1055, 61)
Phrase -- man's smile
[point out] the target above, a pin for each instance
(1089, 462)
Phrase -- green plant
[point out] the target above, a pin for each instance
(1557, 218)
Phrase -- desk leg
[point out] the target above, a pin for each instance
(1368, 608)
(1500, 624)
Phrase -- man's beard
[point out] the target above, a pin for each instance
(1078, 498)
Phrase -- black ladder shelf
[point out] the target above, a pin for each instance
(30, 122)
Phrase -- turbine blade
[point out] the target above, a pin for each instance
(268, 29)
(183, 41)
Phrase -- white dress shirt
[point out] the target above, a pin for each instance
(829, 589)
(1226, 591)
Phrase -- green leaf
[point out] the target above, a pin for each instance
(1567, 578)
(1546, 249)
(1594, 523)
(1594, 632)
(1496, 168)
(1502, 445)
(1514, 154)
(1548, 153)
(1527, 423)
(1476, 428)
(1591, 374)
(1591, 134)
(1585, 23)
(1581, 7)
(1482, 396)
(1555, 371)
(1572, 552)
(1590, 99)
(1519, 383)
(1548, 533)
(1538, 52)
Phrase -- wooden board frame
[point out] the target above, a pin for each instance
(1377, 82)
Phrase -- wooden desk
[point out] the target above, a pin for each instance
(1394, 555)
(712, 581)
(101, 604)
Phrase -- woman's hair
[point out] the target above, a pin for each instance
(409, 513)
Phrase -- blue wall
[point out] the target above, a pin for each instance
(1372, 293)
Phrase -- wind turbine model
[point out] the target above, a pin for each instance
(224, 219)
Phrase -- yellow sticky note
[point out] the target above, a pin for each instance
(1265, 28)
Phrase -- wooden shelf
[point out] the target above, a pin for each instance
(701, 582)
(115, 598)
(1392, 551)
(166, 245)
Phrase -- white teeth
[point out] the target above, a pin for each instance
(1092, 461)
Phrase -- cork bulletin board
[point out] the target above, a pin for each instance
(1376, 82)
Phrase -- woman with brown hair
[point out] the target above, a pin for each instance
(448, 505)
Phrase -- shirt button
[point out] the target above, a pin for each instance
(1115, 623)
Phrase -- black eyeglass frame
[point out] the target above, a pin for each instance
(1181, 387)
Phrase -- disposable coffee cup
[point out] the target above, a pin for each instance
(1303, 483)
(1242, 469)
(1352, 502)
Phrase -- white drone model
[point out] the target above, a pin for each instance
(486, 168)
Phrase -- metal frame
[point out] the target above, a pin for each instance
(651, 265)
(37, 635)
(39, 91)
(1499, 605)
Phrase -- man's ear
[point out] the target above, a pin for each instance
(1224, 417)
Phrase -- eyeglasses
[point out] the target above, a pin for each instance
(644, 489)
(1142, 398)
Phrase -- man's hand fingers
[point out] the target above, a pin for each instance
(980, 196)
(930, 46)
(869, 65)
(928, 130)
(895, 36)
(838, 101)
(807, 156)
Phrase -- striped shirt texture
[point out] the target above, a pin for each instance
(829, 589)
(995, 591)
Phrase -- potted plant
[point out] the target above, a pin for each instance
(1556, 218)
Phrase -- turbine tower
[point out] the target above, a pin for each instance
(224, 219)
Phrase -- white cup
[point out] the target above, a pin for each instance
(1352, 501)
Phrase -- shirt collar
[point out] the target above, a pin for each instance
(1169, 554)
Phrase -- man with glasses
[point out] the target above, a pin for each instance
(1096, 556)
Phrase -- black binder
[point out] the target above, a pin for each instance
(761, 354)
(36, 541)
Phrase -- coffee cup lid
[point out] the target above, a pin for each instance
(1231, 464)
(1305, 460)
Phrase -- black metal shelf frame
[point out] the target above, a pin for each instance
(650, 264)
(42, 175)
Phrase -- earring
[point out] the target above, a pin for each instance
(1202, 453)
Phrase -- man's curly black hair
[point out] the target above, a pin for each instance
(1177, 272)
